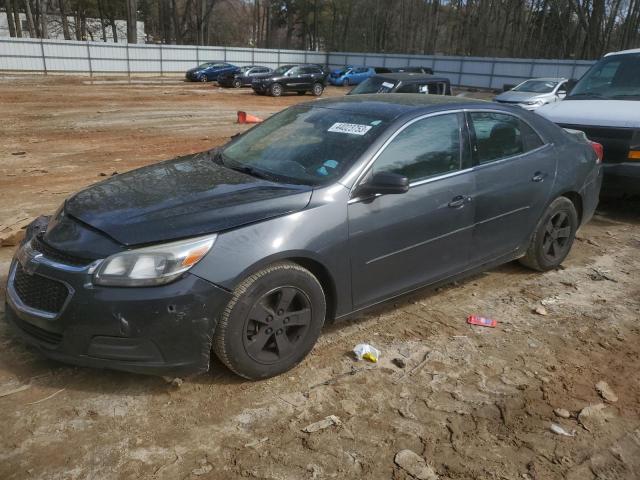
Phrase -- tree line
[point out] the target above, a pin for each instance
(580, 29)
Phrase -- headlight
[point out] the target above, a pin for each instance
(155, 265)
(535, 102)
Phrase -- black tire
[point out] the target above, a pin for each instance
(272, 321)
(204, 79)
(553, 237)
(275, 90)
(237, 83)
(317, 90)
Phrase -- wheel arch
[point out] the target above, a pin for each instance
(576, 199)
(306, 260)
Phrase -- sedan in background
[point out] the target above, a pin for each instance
(532, 94)
(208, 72)
(326, 208)
(244, 76)
(404, 83)
(351, 76)
(292, 78)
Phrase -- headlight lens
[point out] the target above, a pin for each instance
(155, 265)
(535, 102)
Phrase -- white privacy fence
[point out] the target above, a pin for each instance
(98, 58)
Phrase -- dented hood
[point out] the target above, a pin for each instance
(180, 198)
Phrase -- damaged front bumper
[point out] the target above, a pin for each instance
(162, 330)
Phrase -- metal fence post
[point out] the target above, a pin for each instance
(44, 59)
(197, 55)
(573, 70)
(224, 53)
(278, 57)
(161, 68)
(89, 58)
(493, 69)
(128, 63)
(305, 57)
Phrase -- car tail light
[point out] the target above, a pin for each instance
(634, 154)
(634, 150)
(599, 149)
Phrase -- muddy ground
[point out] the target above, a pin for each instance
(472, 402)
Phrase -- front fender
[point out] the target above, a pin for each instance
(318, 233)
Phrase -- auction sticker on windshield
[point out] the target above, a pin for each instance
(352, 128)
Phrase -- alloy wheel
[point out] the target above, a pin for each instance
(277, 324)
(557, 236)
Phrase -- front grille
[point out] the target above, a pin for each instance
(39, 292)
(38, 333)
(39, 245)
(616, 141)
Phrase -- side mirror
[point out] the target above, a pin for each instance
(384, 183)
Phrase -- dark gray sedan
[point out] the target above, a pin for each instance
(322, 210)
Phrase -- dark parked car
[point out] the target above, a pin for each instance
(404, 83)
(324, 209)
(208, 72)
(292, 78)
(425, 70)
(244, 76)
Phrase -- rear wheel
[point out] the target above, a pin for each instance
(237, 83)
(272, 321)
(554, 236)
(317, 90)
(276, 90)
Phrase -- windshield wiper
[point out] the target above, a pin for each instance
(627, 95)
(254, 172)
(585, 95)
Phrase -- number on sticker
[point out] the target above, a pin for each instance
(351, 128)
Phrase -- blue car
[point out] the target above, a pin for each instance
(351, 75)
(208, 72)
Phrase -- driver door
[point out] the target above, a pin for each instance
(402, 241)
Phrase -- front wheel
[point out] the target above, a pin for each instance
(272, 321)
(318, 88)
(237, 83)
(553, 237)
(276, 90)
(204, 79)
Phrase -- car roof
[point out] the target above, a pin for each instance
(406, 76)
(624, 52)
(390, 106)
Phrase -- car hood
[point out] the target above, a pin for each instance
(512, 96)
(180, 198)
(195, 70)
(600, 113)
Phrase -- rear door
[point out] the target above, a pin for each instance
(399, 242)
(514, 175)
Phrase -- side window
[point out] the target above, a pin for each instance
(498, 136)
(410, 88)
(530, 139)
(424, 149)
(295, 71)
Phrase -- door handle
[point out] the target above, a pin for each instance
(538, 177)
(459, 201)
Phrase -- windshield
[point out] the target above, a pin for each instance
(245, 69)
(304, 145)
(612, 78)
(205, 65)
(374, 85)
(282, 70)
(536, 86)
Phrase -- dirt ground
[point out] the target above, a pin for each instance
(472, 402)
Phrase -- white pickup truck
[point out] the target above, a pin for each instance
(605, 104)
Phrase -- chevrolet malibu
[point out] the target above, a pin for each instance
(323, 210)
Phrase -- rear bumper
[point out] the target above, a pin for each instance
(621, 178)
(336, 81)
(590, 195)
(164, 330)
